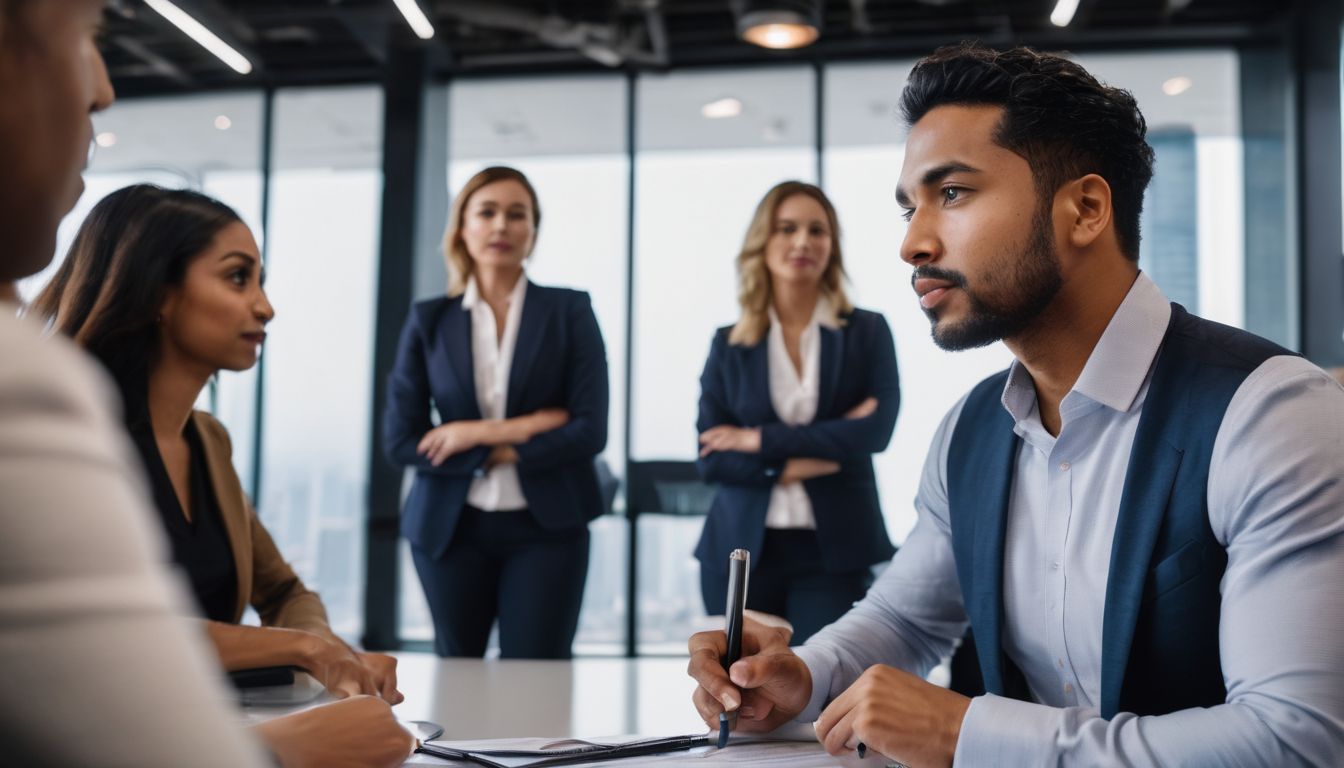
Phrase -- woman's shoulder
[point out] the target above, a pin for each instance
(431, 307)
(211, 430)
(558, 294)
(864, 320)
(722, 344)
(865, 316)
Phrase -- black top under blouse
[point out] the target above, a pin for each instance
(199, 545)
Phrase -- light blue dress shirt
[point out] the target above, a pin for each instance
(1275, 501)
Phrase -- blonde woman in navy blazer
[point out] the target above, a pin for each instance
(795, 399)
(504, 486)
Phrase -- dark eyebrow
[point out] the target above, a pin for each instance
(932, 177)
(249, 258)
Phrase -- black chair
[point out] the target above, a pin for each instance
(668, 488)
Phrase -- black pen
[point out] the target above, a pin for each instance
(739, 562)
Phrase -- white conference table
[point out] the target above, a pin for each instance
(584, 698)
(499, 698)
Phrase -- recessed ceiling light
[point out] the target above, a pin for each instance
(780, 24)
(1177, 85)
(106, 139)
(223, 123)
(721, 108)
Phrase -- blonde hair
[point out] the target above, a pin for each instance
(754, 292)
(454, 249)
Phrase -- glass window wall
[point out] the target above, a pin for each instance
(326, 199)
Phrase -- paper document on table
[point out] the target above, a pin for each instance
(793, 746)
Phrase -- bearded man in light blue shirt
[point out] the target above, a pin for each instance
(1142, 519)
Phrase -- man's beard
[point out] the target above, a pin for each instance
(1019, 296)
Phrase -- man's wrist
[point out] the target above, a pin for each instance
(952, 732)
(818, 663)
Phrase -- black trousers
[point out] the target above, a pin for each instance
(790, 580)
(504, 565)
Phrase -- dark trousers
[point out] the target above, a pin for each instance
(790, 580)
(504, 565)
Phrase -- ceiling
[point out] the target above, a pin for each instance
(325, 41)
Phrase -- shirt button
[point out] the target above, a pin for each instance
(1054, 566)
(1064, 465)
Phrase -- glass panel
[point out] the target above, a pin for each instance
(1193, 225)
(710, 144)
(698, 180)
(864, 152)
(568, 135)
(670, 606)
(326, 198)
(211, 144)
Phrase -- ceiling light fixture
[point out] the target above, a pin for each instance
(1063, 13)
(106, 139)
(223, 123)
(721, 108)
(1177, 85)
(415, 16)
(198, 32)
(780, 24)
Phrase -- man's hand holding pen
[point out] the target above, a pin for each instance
(891, 711)
(768, 686)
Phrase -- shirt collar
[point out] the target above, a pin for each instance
(472, 295)
(1119, 363)
(823, 314)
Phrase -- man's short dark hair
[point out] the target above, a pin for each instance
(1056, 115)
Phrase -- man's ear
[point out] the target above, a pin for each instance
(1087, 211)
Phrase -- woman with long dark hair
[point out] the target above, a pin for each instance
(504, 481)
(164, 287)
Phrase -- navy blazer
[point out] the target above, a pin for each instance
(559, 362)
(858, 361)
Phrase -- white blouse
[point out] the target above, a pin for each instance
(795, 400)
(492, 359)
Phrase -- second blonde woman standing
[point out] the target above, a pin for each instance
(795, 399)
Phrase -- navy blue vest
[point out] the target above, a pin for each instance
(1159, 649)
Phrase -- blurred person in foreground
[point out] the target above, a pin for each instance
(98, 665)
